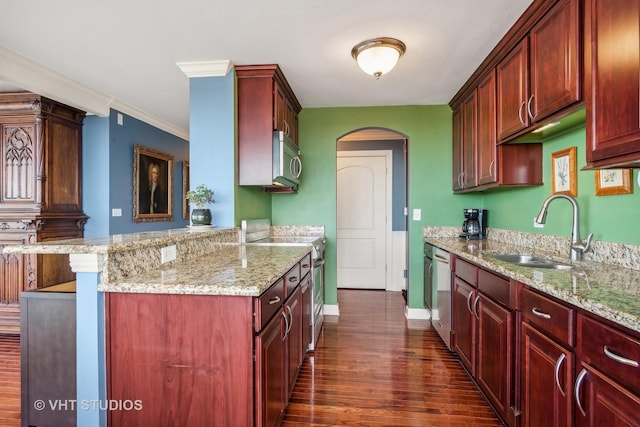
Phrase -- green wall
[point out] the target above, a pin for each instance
(428, 129)
(607, 217)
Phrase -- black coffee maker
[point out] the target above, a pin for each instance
(474, 226)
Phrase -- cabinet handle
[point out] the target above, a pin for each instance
(491, 168)
(469, 302)
(286, 321)
(557, 373)
(520, 114)
(579, 380)
(274, 300)
(475, 307)
(540, 314)
(619, 359)
(291, 317)
(305, 265)
(293, 279)
(531, 115)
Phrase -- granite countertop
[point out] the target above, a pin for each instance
(606, 290)
(236, 269)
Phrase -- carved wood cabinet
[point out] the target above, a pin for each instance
(40, 193)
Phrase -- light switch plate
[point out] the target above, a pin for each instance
(168, 253)
(417, 214)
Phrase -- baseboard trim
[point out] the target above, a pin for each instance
(331, 310)
(417, 313)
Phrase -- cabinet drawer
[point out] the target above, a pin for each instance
(291, 280)
(305, 266)
(466, 271)
(611, 351)
(549, 316)
(268, 303)
(495, 287)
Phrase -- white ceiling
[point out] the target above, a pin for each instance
(127, 50)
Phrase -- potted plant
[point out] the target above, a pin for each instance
(201, 196)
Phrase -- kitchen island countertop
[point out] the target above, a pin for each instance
(606, 290)
(235, 269)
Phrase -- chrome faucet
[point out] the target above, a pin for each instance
(578, 247)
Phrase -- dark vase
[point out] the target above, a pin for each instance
(201, 217)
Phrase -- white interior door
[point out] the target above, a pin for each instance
(363, 223)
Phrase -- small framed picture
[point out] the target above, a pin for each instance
(610, 182)
(152, 185)
(563, 172)
(185, 188)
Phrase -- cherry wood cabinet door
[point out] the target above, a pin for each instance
(464, 324)
(457, 150)
(469, 141)
(546, 381)
(512, 82)
(293, 309)
(612, 81)
(270, 373)
(555, 61)
(487, 130)
(494, 371)
(601, 401)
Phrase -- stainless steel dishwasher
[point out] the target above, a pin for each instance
(441, 317)
(427, 295)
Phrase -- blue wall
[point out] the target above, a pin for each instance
(212, 133)
(108, 151)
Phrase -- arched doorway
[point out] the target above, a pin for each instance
(371, 205)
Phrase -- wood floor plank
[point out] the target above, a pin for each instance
(9, 380)
(373, 367)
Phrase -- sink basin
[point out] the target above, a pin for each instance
(532, 261)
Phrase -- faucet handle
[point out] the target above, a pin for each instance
(583, 247)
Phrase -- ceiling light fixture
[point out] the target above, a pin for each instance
(378, 56)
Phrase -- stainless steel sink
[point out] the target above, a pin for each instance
(531, 261)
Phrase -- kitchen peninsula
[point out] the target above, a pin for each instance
(201, 339)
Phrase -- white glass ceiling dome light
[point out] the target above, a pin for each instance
(378, 56)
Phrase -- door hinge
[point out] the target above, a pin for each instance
(405, 273)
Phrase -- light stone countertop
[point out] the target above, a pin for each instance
(232, 270)
(606, 290)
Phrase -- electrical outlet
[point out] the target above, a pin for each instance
(116, 212)
(168, 253)
(537, 224)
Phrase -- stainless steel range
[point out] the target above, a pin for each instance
(256, 232)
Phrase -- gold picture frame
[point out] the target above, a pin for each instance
(185, 187)
(563, 172)
(610, 182)
(152, 185)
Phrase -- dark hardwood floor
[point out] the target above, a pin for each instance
(9, 380)
(373, 367)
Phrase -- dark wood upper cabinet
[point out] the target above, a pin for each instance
(266, 103)
(612, 82)
(541, 76)
(41, 193)
(465, 144)
(486, 133)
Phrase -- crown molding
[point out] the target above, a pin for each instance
(36, 78)
(136, 113)
(205, 68)
(29, 75)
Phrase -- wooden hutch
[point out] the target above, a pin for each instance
(40, 194)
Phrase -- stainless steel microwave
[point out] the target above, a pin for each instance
(287, 165)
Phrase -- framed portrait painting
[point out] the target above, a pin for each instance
(152, 185)
(185, 188)
(611, 182)
(564, 179)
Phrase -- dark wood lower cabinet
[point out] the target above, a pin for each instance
(464, 323)
(293, 339)
(601, 401)
(270, 372)
(494, 371)
(547, 381)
